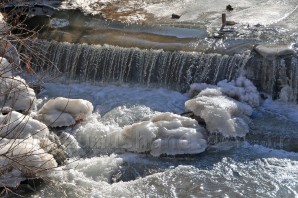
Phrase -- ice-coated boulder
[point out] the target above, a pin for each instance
(15, 93)
(5, 68)
(271, 51)
(221, 113)
(61, 111)
(15, 125)
(26, 156)
(165, 133)
(241, 89)
(224, 107)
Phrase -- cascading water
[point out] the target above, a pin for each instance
(272, 75)
(175, 70)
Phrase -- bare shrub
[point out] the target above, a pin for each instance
(22, 155)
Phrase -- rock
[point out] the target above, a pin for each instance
(61, 111)
(231, 23)
(229, 8)
(175, 16)
(270, 51)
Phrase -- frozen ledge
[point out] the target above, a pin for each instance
(269, 51)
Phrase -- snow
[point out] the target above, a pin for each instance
(208, 12)
(26, 157)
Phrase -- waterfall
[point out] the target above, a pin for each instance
(273, 75)
(175, 70)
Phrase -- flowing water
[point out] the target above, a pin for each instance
(227, 169)
(151, 69)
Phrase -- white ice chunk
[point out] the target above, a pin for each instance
(15, 93)
(5, 68)
(242, 89)
(15, 125)
(26, 156)
(222, 114)
(165, 133)
(61, 111)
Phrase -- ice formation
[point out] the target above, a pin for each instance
(286, 94)
(226, 107)
(123, 115)
(5, 68)
(240, 89)
(15, 125)
(24, 148)
(16, 93)
(164, 133)
(270, 51)
(61, 111)
(26, 156)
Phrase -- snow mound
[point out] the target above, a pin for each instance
(15, 125)
(61, 111)
(16, 93)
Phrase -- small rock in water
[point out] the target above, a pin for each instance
(175, 16)
(229, 8)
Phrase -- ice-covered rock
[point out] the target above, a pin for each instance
(25, 155)
(270, 51)
(61, 111)
(5, 68)
(9, 51)
(123, 115)
(15, 125)
(15, 93)
(241, 89)
(221, 113)
(164, 133)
